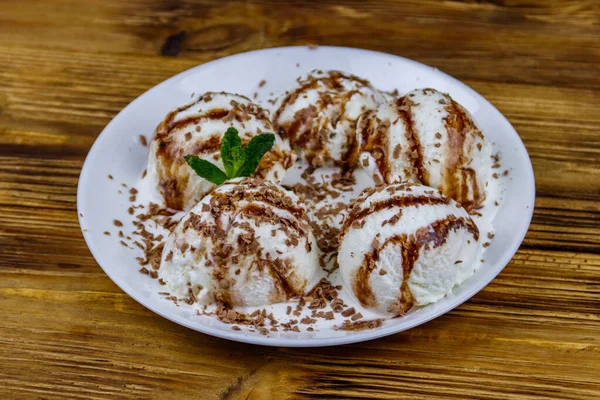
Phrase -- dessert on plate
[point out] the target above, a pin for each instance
(243, 240)
(247, 243)
(197, 128)
(403, 245)
(319, 116)
(426, 137)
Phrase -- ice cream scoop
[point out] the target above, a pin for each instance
(427, 137)
(319, 116)
(403, 245)
(247, 243)
(197, 129)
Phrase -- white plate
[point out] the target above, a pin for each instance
(117, 151)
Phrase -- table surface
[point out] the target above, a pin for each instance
(68, 66)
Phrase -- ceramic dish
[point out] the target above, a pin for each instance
(117, 151)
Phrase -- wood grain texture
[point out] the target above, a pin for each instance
(68, 66)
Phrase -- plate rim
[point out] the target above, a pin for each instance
(366, 335)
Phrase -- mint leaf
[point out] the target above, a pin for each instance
(230, 143)
(254, 151)
(206, 170)
(238, 161)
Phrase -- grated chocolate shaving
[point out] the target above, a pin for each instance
(360, 325)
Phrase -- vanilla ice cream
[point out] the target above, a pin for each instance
(319, 116)
(427, 137)
(247, 243)
(403, 245)
(197, 129)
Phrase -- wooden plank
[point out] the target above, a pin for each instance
(535, 42)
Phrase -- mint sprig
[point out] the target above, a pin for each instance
(238, 160)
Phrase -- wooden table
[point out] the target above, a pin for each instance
(67, 331)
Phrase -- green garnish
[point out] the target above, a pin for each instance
(237, 160)
(206, 169)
